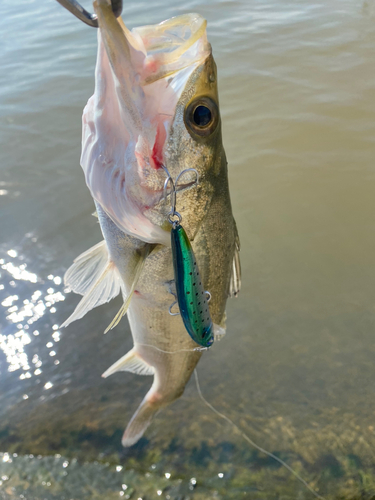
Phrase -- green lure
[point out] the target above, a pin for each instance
(191, 295)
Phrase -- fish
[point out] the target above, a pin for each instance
(155, 107)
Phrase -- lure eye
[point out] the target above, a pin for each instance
(202, 116)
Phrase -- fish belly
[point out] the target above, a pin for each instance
(160, 341)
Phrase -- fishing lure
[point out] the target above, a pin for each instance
(191, 296)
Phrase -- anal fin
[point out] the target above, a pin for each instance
(131, 362)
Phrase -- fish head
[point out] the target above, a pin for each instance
(154, 110)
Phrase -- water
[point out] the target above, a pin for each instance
(296, 369)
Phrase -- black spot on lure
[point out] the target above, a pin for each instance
(191, 296)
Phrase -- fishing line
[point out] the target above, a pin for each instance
(227, 419)
(251, 442)
(174, 352)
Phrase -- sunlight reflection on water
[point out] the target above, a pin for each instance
(22, 309)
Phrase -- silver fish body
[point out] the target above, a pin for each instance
(125, 179)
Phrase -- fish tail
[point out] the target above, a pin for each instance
(140, 420)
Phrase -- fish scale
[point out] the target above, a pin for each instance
(191, 295)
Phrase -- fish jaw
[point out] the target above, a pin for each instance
(140, 76)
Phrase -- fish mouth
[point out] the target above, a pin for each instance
(140, 77)
(153, 51)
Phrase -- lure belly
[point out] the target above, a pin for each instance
(191, 295)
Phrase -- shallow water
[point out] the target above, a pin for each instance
(296, 369)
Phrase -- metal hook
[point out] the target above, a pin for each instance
(91, 19)
(184, 172)
(173, 191)
(173, 213)
(170, 309)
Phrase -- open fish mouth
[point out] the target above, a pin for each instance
(140, 77)
(170, 46)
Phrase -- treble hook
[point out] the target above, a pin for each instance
(91, 19)
(173, 193)
(188, 170)
(170, 309)
(208, 298)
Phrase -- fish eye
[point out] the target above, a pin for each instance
(202, 116)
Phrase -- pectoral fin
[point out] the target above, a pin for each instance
(235, 281)
(94, 276)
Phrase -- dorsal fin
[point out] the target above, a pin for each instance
(95, 277)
